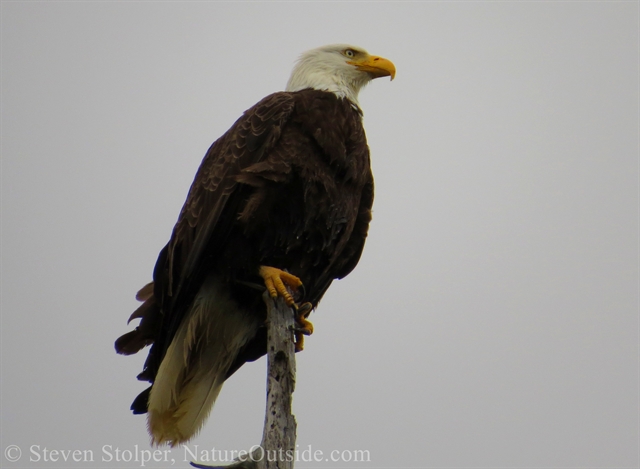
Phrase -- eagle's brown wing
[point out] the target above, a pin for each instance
(182, 263)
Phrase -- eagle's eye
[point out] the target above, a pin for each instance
(350, 53)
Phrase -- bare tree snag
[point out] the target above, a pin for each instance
(279, 435)
(277, 449)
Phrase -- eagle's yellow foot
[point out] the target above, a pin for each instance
(299, 344)
(302, 313)
(304, 327)
(277, 281)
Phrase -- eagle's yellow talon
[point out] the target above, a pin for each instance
(303, 327)
(277, 281)
(306, 327)
(299, 345)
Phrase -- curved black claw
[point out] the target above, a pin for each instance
(304, 309)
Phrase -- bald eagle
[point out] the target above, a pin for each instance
(282, 199)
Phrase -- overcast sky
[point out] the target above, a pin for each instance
(493, 318)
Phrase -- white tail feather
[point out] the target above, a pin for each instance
(196, 363)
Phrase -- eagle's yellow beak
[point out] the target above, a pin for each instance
(376, 66)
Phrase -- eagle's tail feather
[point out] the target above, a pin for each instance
(196, 363)
(143, 335)
(140, 403)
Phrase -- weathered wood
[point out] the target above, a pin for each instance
(279, 435)
(277, 449)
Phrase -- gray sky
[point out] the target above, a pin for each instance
(493, 319)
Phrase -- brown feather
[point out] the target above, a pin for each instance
(145, 292)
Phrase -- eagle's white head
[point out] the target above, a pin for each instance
(339, 68)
